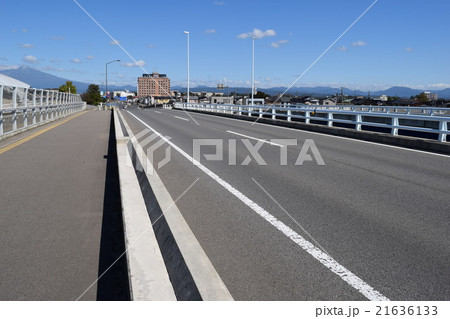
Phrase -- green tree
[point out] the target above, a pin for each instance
(422, 98)
(92, 95)
(260, 95)
(68, 87)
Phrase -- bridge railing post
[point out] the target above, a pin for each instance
(395, 123)
(289, 115)
(443, 126)
(25, 110)
(307, 117)
(1, 110)
(330, 119)
(14, 105)
(33, 116)
(358, 122)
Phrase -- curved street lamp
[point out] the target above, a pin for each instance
(187, 97)
(106, 88)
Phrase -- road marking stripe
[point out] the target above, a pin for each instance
(329, 135)
(158, 112)
(181, 118)
(30, 137)
(257, 139)
(326, 260)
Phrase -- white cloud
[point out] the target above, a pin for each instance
(343, 48)
(277, 44)
(408, 49)
(210, 31)
(139, 63)
(27, 46)
(114, 42)
(78, 61)
(8, 67)
(219, 3)
(30, 59)
(3, 58)
(52, 60)
(51, 68)
(359, 43)
(259, 34)
(90, 57)
(24, 30)
(57, 38)
(150, 45)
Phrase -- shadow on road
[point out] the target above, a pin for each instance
(114, 284)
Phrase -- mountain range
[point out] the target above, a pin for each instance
(40, 79)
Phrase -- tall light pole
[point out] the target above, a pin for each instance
(187, 97)
(106, 89)
(253, 67)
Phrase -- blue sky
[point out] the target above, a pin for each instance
(398, 42)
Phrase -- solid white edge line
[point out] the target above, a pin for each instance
(326, 260)
(257, 139)
(329, 135)
(181, 118)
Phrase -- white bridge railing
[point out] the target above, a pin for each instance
(21, 108)
(393, 118)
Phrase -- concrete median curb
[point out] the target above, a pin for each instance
(192, 275)
(147, 274)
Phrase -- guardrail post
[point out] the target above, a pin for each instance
(330, 120)
(1, 109)
(289, 115)
(443, 126)
(260, 112)
(274, 114)
(239, 110)
(249, 111)
(395, 122)
(307, 117)
(14, 105)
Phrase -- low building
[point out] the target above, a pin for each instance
(256, 101)
(329, 102)
(222, 99)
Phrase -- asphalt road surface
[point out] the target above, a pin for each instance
(372, 223)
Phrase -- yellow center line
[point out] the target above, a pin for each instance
(30, 137)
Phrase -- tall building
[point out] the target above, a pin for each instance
(153, 84)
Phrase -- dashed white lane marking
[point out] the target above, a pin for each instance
(181, 118)
(325, 259)
(254, 138)
(158, 112)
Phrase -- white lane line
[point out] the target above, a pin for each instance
(326, 260)
(254, 138)
(181, 118)
(158, 112)
(332, 136)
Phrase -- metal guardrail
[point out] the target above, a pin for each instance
(22, 108)
(394, 118)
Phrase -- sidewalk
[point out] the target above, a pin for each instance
(60, 214)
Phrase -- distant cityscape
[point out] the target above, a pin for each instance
(155, 89)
